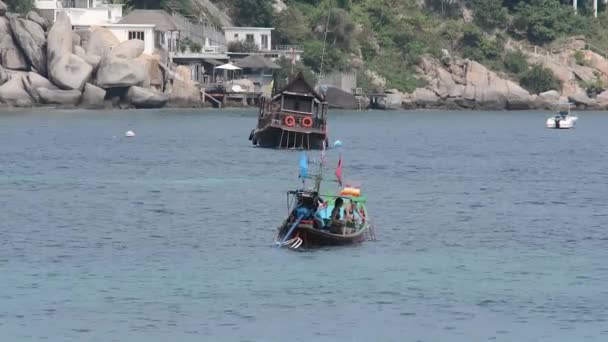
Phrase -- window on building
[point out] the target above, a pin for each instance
(136, 35)
(236, 36)
(265, 42)
(249, 38)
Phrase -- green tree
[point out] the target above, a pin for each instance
(313, 53)
(20, 6)
(340, 28)
(490, 14)
(545, 20)
(538, 79)
(515, 62)
(257, 13)
(290, 27)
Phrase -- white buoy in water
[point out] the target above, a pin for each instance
(130, 134)
(338, 143)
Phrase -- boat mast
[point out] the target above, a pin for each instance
(324, 43)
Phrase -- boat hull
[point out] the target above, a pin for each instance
(312, 237)
(567, 123)
(278, 137)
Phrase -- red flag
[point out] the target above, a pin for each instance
(339, 171)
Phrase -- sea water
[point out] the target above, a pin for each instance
(489, 225)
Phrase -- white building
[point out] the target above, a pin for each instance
(124, 32)
(81, 12)
(261, 36)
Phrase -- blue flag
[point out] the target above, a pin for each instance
(303, 165)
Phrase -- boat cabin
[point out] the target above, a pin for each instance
(296, 107)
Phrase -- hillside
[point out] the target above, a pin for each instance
(388, 38)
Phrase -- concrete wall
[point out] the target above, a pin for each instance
(240, 33)
(341, 80)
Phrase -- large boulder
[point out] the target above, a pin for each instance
(583, 73)
(425, 98)
(489, 89)
(155, 72)
(182, 91)
(146, 98)
(10, 55)
(75, 40)
(549, 96)
(4, 77)
(517, 97)
(132, 48)
(70, 72)
(31, 39)
(32, 81)
(91, 59)
(116, 72)
(3, 8)
(338, 98)
(582, 100)
(602, 99)
(393, 99)
(66, 70)
(12, 93)
(58, 96)
(596, 61)
(93, 96)
(100, 41)
(35, 17)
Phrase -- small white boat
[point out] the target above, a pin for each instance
(564, 119)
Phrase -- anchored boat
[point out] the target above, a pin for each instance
(293, 117)
(564, 119)
(313, 218)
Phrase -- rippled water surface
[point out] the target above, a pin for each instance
(490, 227)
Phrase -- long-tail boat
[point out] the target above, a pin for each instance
(309, 223)
(292, 117)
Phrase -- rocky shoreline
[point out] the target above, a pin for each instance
(51, 65)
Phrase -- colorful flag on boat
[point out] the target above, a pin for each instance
(303, 165)
(339, 171)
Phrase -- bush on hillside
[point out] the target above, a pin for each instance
(477, 47)
(290, 27)
(256, 13)
(579, 57)
(594, 88)
(313, 57)
(545, 20)
(243, 46)
(489, 14)
(515, 62)
(539, 79)
(20, 6)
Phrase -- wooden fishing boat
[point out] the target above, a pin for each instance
(292, 117)
(309, 223)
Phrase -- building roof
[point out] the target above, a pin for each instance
(298, 85)
(256, 62)
(163, 20)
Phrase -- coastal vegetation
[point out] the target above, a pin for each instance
(388, 37)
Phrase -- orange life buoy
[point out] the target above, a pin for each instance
(306, 122)
(290, 121)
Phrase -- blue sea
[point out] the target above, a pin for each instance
(490, 228)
